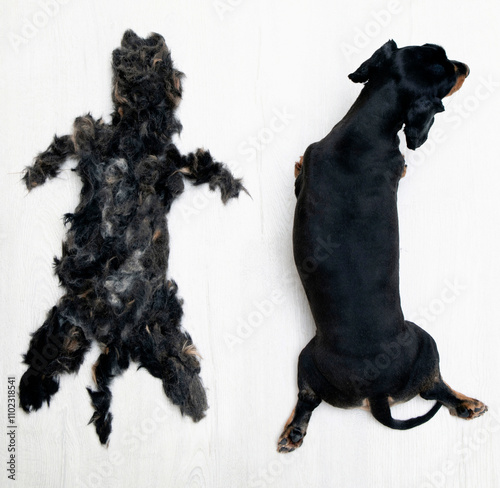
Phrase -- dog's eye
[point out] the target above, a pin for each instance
(437, 69)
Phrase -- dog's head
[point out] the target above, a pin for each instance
(144, 77)
(424, 76)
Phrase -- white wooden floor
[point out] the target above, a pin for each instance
(263, 80)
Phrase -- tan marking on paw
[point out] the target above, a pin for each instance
(469, 408)
(298, 166)
(285, 444)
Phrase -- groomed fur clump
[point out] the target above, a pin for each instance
(114, 260)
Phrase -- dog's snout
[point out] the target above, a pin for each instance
(461, 72)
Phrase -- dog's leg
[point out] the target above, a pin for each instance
(48, 163)
(458, 404)
(201, 168)
(168, 353)
(56, 347)
(86, 131)
(296, 425)
(299, 168)
(299, 176)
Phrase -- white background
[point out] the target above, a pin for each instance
(271, 74)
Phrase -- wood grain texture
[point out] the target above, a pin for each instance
(263, 80)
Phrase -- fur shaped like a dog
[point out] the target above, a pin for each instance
(114, 260)
(346, 248)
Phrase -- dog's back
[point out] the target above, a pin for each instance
(346, 229)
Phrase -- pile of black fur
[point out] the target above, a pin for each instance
(114, 261)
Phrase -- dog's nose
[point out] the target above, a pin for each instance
(461, 68)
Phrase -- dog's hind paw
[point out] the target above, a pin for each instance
(291, 439)
(469, 409)
(34, 389)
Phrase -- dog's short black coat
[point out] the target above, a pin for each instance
(364, 353)
(114, 260)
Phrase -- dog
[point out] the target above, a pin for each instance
(115, 257)
(346, 248)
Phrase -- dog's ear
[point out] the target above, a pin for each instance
(130, 39)
(379, 57)
(419, 120)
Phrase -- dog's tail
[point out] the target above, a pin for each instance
(380, 409)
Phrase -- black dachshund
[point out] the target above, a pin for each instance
(114, 261)
(346, 248)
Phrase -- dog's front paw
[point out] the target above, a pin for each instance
(469, 409)
(291, 439)
(298, 166)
